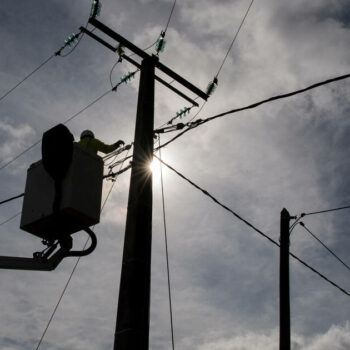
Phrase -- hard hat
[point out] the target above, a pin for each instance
(87, 133)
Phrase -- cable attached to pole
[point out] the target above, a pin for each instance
(166, 249)
(199, 122)
(12, 198)
(253, 227)
(329, 250)
(234, 39)
(325, 211)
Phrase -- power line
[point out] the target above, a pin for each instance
(234, 38)
(224, 60)
(199, 122)
(27, 77)
(252, 226)
(12, 198)
(166, 251)
(11, 218)
(325, 211)
(57, 53)
(19, 155)
(71, 275)
(65, 122)
(317, 239)
(171, 14)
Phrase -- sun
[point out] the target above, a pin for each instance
(154, 166)
(155, 169)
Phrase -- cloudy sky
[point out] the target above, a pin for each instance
(292, 153)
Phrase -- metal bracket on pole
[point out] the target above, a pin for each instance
(126, 43)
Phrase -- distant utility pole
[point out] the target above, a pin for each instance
(284, 282)
(132, 327)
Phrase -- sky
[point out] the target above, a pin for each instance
(290, 154)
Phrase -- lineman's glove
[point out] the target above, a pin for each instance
(119, 143)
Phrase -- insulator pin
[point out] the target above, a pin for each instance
(95, 8)
(212, 86)
(160, 46)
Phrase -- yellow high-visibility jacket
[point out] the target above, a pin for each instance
(95, 145)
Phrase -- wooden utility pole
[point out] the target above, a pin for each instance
(132, 328)
(284, 282)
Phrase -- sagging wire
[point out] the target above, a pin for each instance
(65, 122)
(329, 250)
(11, 218)
(214, 83)
(206, 193)
(199, 122)
(166, 248)
(120, 52)
(115, 154)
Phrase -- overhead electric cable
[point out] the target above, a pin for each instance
(325, 211)
(318, 240)
(171, 14)
(16, 157)
(252, 226)
(28, 76)
(234, 38)
(11, 218)
(166, 251)
(212, 85)
(71, 275)
(57, 53)
(199, 122)
(65, 122)
(12, 198)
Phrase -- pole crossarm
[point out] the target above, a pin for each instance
(126, 43)
(138, 65)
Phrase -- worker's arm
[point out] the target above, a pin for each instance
(102, 147)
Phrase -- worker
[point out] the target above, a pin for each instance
(88, 140)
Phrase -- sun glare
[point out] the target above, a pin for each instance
(154, 166)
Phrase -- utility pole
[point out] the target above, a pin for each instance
(284, 282)
(132, 327)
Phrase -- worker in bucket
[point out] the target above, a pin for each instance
(88, 140)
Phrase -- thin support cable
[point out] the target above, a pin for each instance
(166, 251)
(120, 60)
(171, 14)
(329, 250)
(67, 121)
(19, 155)
(12, 198)
(28, 76)
(71, 275)
(325, 211)
(234, 38)
(11, 218)
(254, 228)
